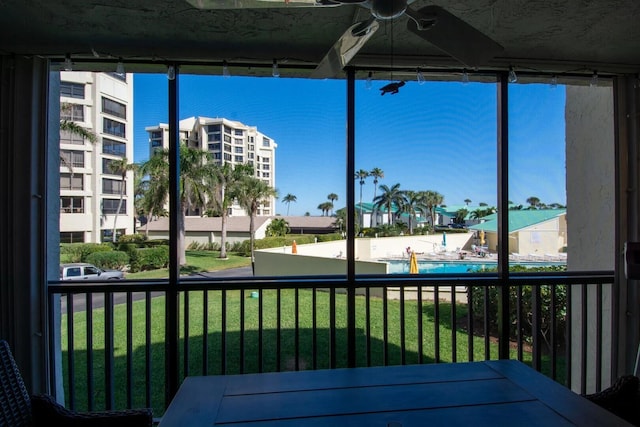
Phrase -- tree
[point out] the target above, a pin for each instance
(410, 205)
(467, 201)
(389, 196)
(196, 172)
(250, 193)
(361, 175)
(278, 227)
(288, 199)
(534, 202)
(431, 200)
(332, 198)
(376, 173)
(120, 167)
(325, 207)
(225, 178)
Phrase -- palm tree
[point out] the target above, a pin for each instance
(376, 173)
(361, 175)
(196, 172)
(325, 207)
(225, 178)
(410, 205)
(278, 227)
(390, 196)
(533, 201)
(431, 200)
(120, 167)
(332, 197)
(250, 193)
(288, 199)
(467, 201)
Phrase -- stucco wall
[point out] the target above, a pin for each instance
(590, 212)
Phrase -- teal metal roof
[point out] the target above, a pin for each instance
(519, 219)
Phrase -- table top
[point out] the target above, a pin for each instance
(490, 393)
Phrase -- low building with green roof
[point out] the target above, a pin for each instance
(531, 232)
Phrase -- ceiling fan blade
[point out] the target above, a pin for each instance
(261, 4)
(453, 36)
(345, 49)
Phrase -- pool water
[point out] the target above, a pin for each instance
(427, 267)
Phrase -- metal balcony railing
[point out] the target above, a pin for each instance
(112, 341)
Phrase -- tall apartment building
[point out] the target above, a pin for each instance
(89, 190)
(228, 141)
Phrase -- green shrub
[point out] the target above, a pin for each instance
(132, 250)
(328, 237)
(202, 246)
(78, 252)
(525, 300)
(155, 242)
(152, 258)
(109, 260)
(132, 238)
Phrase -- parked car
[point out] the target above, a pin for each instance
(84, 271)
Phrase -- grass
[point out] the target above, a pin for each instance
(310, 354)
(197, 262)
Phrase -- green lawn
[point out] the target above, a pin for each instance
(197, 262)
(307, 355)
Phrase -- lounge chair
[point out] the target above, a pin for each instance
(18, 408)
(622, 399)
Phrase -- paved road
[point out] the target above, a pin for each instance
(79, 301)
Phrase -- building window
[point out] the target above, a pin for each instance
(251, 140)
(110, 206)
(114, 128)
(71, 181)
(117, 148)
(227, 138)
(216, 156)
(238, 159)
(238, 150)
(238, 132)
(107, 235)
(250, 155)
(72, 158)
(265, 174)
(238, 141)
(252, 147)
(266, 212)
(227, 157)
(72, 90)
(156, 144)
(266, 167)
(216, 146)
(73, 112)
(113, 186)
(266, 142)
(71, 204)
(227, 129)
(114, 108)
(67, 137)
(227, 147)
(72, 237)
(108, 167)
(266, 159)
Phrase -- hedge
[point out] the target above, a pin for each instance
(78, 252)
(109, 260)
(151, 258)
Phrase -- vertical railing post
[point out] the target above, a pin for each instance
(351, 263)
(503, 216)
(171, 308)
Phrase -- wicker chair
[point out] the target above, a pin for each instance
(622, 399)
(18, 408)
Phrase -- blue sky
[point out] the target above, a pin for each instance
(438, 136)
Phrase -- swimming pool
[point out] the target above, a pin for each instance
(433, 266)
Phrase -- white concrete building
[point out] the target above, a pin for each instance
(89, 191)
(228, 141)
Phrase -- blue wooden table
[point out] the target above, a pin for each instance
(491, 393)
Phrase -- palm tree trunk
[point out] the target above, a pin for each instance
(252, 238)
(223, 225)
(115, 219)
(182, 253)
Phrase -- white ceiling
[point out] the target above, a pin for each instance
(538, 35)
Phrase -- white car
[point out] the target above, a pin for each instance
(89, 272)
